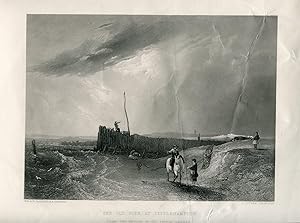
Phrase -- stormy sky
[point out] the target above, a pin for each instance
(213, 74)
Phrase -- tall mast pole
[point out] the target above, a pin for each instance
(126, 113)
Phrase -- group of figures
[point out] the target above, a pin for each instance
(175, 165)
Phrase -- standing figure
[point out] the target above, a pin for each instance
(33, 147)
(117, 126)
(256, 138)
(193, 171)
(173, 152)
(178, 166)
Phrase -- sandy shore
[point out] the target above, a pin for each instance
(236, 172)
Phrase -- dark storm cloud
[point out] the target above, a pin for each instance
(91, 56)
(223, 77)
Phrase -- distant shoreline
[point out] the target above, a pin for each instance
(151, 135)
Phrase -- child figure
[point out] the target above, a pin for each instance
(193, 171)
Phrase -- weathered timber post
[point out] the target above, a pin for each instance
(99, 139)
(34, 147)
